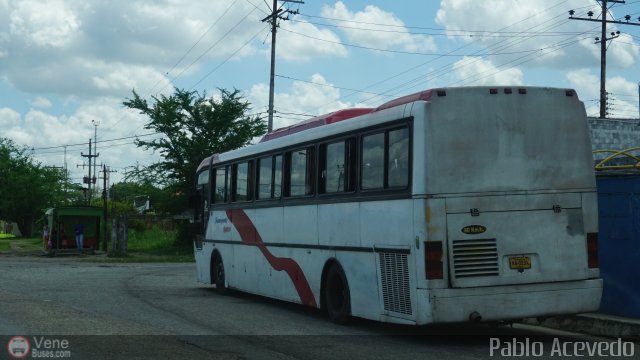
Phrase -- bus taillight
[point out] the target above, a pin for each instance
(592, 250)
(433, 260)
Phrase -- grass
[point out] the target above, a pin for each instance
(154, 245)
(150, 245)
(6, 236)
(22, 246)
(4, 245)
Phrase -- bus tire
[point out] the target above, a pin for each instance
(218, 274)
(337, 296)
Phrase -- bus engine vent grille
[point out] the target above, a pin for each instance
(475, 258)
(396, 292)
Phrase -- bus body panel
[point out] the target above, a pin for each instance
(547, 241)
(478, 142)
(339, 225)
(513, 302)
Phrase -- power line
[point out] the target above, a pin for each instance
(227, 59)
(84, 144)
(407, 52)
(450, 33)
(329, 85)
(212, 46)
(195, 44)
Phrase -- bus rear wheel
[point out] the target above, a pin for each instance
(218, 277)
(337, 297)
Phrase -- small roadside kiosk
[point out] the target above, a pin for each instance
(63, 220)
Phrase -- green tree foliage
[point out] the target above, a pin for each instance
(26, 187)
(163, 201)
(194, 126)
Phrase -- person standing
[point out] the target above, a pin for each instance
(79, 230)
(45, 236)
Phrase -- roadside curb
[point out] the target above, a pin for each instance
(593, 324)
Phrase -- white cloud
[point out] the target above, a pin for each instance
(41, 102)
(302, 98)
(41, 129)
(622, 96)
(8, 119)
(105, 47)
(50, 24)
(364, 28)
(475, 71)
(299, 42)
(541, 28)
(623, 52)
(586, 83)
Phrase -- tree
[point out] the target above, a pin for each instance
(194, 126)
(26, 187)
(162, 201)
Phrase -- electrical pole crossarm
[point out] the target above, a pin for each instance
(607, 21)
(602, 40)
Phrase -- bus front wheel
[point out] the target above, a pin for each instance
(218, 273)
(337, 297)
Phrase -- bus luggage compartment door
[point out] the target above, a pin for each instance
(507, 246)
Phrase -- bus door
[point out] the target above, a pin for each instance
(201, 209)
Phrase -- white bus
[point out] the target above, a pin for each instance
(448, 205)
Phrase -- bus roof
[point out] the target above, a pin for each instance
(316, 121)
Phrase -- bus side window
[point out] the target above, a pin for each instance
(269, 177)
(265, 177)
(220, 186)
(277, 177)
(203, 195)
(372, 168)
(227, 187)
(241, 185)
(335, 167)
(300, 170)
(399, 157)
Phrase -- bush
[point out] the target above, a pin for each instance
(137, 225)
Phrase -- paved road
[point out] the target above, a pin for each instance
(158, 311)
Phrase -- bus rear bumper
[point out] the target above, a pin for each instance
(496, 303)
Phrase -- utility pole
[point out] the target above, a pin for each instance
(105, 173)
(66, 178)
(276, 14)
(95, 144)
(90, 179)
(602, 40)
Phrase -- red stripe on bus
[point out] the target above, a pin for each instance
(250, 236)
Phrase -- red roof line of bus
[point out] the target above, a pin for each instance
(344, 114)
(316, 121)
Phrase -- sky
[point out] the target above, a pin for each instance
(66, 66)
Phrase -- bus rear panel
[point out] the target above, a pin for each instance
(510, 202)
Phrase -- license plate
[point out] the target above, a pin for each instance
(520, 262)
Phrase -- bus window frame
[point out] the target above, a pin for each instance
(350, 163)
(273, 157)
(310, 170)
(386, 147)
(249, 186)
